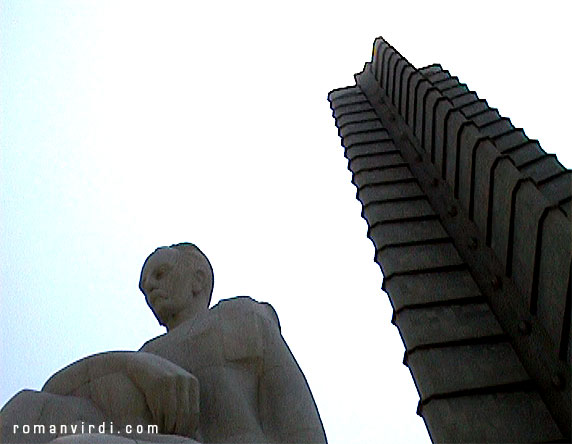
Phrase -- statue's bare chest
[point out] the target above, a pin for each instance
(214, 342)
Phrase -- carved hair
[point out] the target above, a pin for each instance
(194, 258)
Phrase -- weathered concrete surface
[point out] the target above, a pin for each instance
(472, 227)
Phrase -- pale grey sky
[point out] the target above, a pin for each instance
(125, 125)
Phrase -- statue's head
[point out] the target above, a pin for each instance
(177, 282)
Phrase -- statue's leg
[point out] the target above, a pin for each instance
(117, 439)
(27, 417)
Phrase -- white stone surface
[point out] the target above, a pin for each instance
(223, 374)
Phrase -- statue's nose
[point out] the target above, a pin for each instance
(149, 284)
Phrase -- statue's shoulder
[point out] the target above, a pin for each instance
(243, 307)
(152, 344)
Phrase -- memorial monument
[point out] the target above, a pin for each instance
(472, 226)
(223, 374)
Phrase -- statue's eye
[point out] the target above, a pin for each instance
(160, 273)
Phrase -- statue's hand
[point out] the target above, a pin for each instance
(172, 393)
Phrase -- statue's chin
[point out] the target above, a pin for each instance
(162, 314)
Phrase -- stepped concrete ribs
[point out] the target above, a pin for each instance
(471, 222)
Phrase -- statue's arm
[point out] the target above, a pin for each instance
(287, 408)
(71, 378)
(170, 392)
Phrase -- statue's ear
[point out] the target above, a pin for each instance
(199, 281)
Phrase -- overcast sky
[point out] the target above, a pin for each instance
(127, 125)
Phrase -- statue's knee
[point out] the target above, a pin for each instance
(24, 404)
(36, 417)
(19, 415)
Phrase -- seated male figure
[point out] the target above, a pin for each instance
(223, 374)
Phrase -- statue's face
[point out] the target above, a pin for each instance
(166, 283)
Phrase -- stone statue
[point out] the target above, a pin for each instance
(221, 375)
